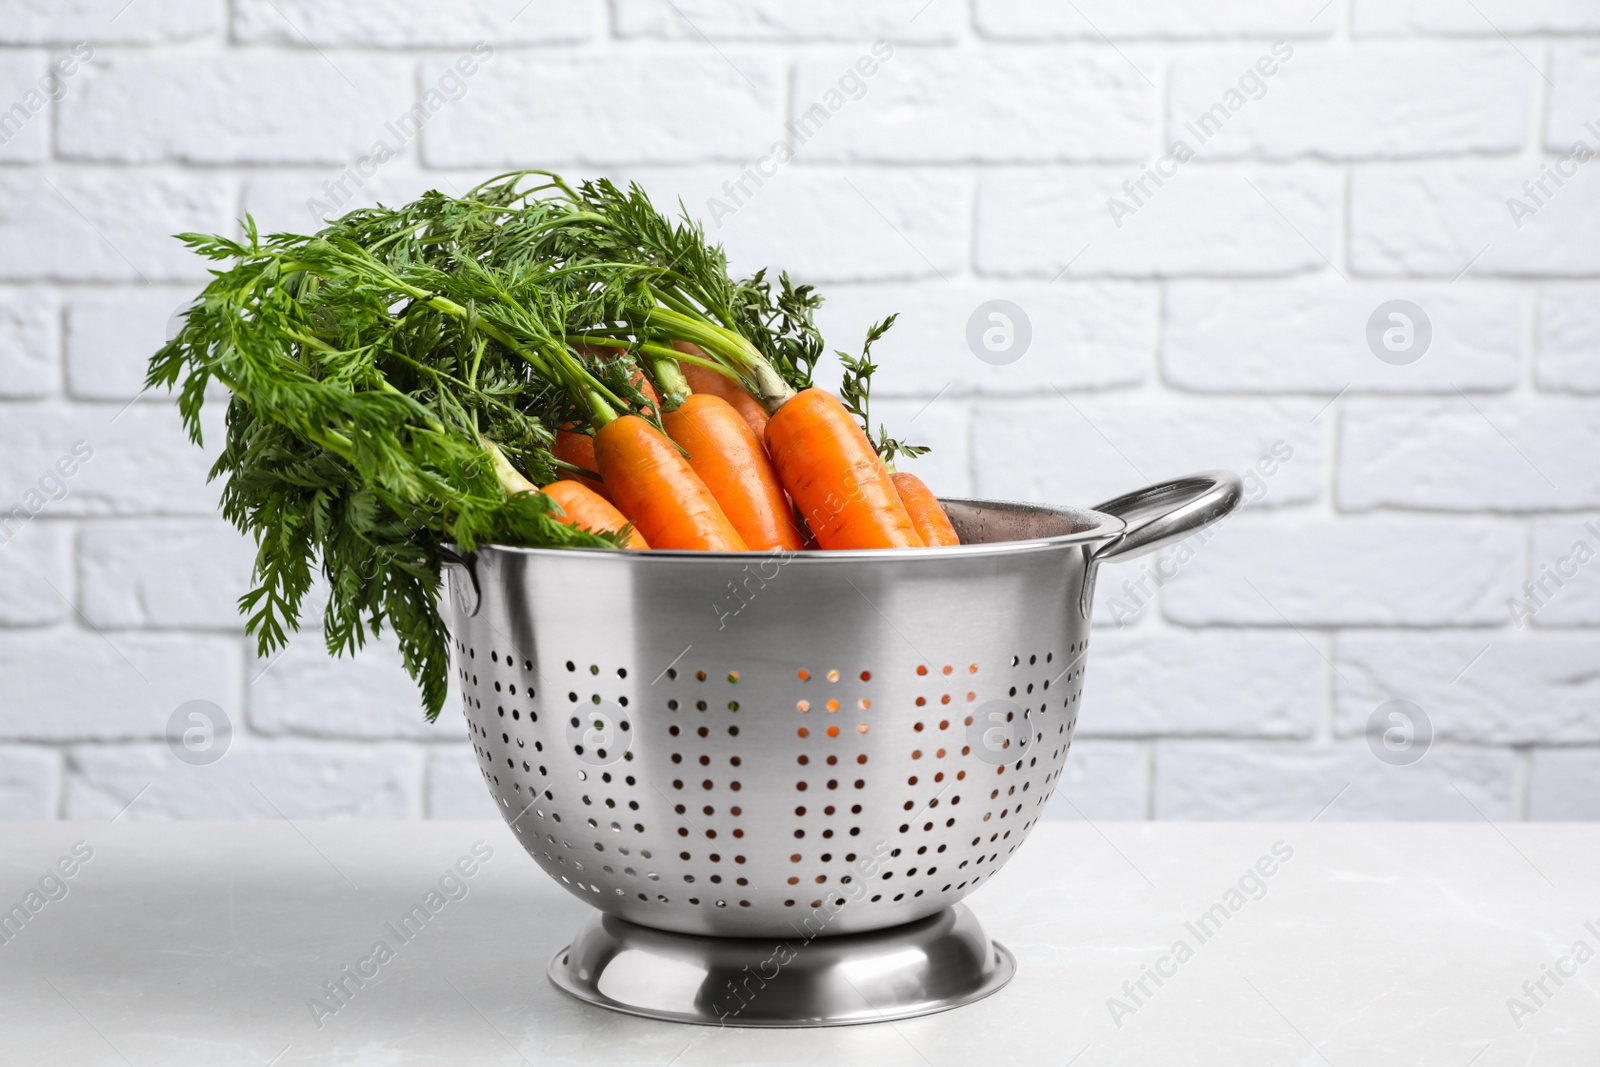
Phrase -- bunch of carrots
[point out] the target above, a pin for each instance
(533, 364)
(704, 464)
(725, 474)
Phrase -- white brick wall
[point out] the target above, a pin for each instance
(1293, 336)
(1569, 338)
(993, 106)
(1326, 100)
(1204, 221)
(1209, 311)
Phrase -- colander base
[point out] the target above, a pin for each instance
(931, 965)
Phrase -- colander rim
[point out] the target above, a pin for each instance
(1098, 527)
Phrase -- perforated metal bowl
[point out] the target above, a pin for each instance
(751, 745)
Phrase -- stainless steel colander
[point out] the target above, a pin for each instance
(747, 746)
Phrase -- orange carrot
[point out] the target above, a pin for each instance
(578, 450)
(706, 380)
(653, 485)
(932, 524)
(733, 463)
(579, 506)
(588, 510)
(842, 488)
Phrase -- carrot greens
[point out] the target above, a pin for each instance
(397, 380)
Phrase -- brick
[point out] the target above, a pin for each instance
(1202, 220)
(1564, 564)
(71, 684)
(653, 110)
(29, 340)
(1118, 602)
(255, 779)
(137, 462)
(1310, 335)
(1436, 219)
(161, 574)
(306, 692)
(1353, 571)
(1567, 341)
(1239, 683)
(1081, 335)
(455, 785)
(1574, 113)
(1482, 18)
(828, 224)
(1114, 443)
(147, 21)
(35, 571)
(1162, 19)
(1264, 780)
(111, 335)
(1321, 101)
(115, 225)
(1455, 455)
(25, 91)
(141, 107)
(945, 427)
(413, 23)
(1126, 594)
(1102, 780)
(1562, 784)
(1022, 105)
(774, 20)
(1499, 689)
(30, 782)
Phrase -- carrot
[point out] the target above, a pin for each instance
(932, 524)
(733, 463)
(588, 510)
(579, 506)
(653, 485)
(823, 459)
(578, 450)
(842, 488)
(706, 380)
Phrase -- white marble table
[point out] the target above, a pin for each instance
(1370, 944)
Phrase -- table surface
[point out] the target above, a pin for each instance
(1364, 944)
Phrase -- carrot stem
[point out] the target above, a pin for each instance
(681, 356)
(767, 386)
(511, 479)
(556, 363)
(671, 383)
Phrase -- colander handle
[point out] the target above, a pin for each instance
(461, 579)
(1167, 512)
